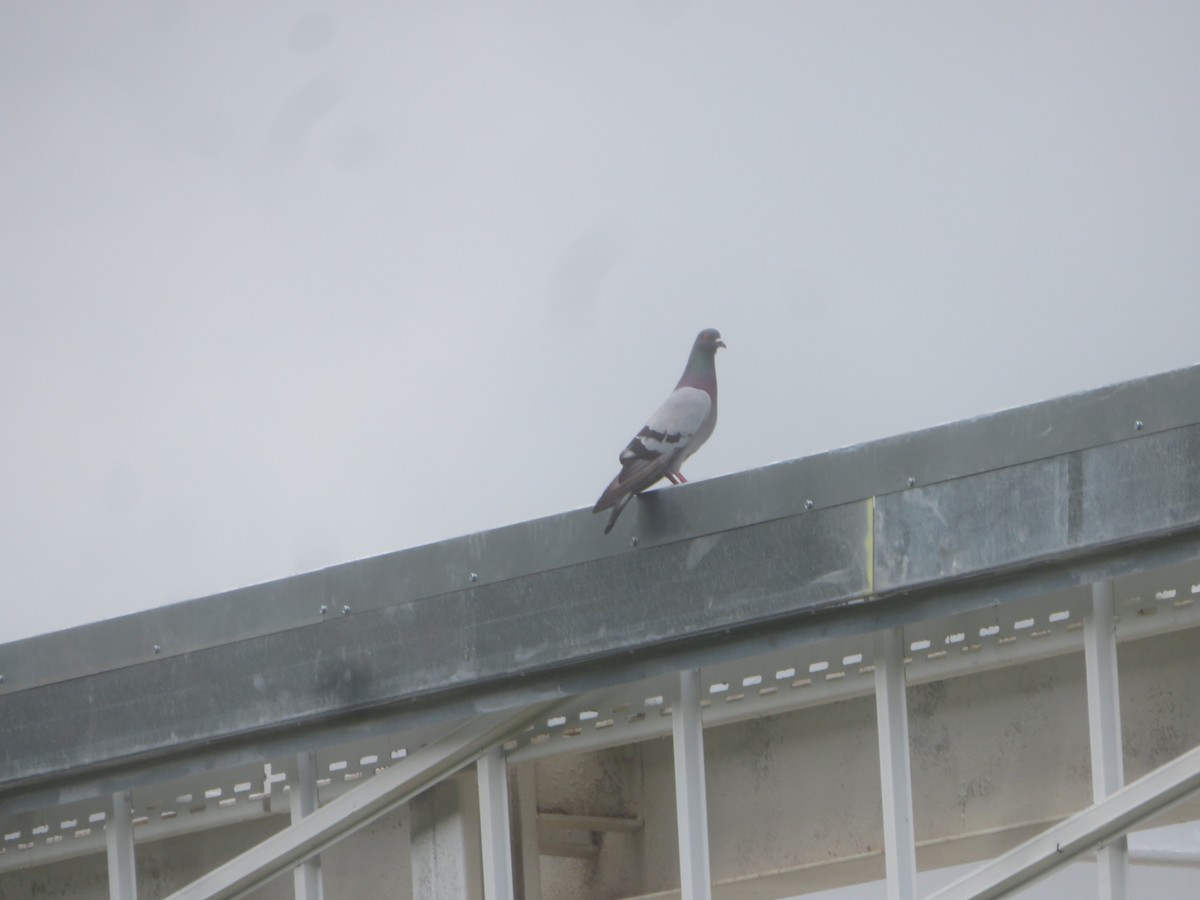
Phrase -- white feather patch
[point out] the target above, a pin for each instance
(674, 423)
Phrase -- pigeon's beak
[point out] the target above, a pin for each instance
(721, 344)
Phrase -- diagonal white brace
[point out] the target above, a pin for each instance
(1083, 832)
(459, 747)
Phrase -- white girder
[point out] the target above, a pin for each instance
(1083, 832)
(122, 873)
(461, 745)
(303, 801)
(895, 776)
(1104, 727)
(495, 834)
(691, 801)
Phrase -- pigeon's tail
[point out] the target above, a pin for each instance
(611, 495)
(615, 496)
(616, 511)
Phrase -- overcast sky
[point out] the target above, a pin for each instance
(289, 284)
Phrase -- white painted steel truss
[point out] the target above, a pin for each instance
(312, 833)
(1159, 601)
(691, 799)
(495, 835)
(122, 877)
(895, 769)
(1104, 729)
(379, 778)
(1093, 829)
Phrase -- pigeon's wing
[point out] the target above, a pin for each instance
(673, 432)
(669, 434)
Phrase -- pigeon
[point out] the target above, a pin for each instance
(675, 431)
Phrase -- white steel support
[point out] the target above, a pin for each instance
(895, 773)
(303, 798)
(122, 875)
(691, 799)
(362, 805)
(1104, 726)
(1083, 832)
(531, 862)
(492, 770)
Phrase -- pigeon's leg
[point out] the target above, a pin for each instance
(671, 478)
(682, 480)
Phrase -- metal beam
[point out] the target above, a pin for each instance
(1104, 727)
(691, 797)
(1000, 647)
(356, 808)
(494, 825)
(998, 440)
(122, 872)
(527, 816)
(1084, 832)
(895, 773)
(543, 598)
(303, 800)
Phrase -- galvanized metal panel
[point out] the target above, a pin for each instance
(1149, 486)
(550, 619)
(552, 595)
(971, 525)
(796, 632)
(951, 451)
(789, 678)
(177, 628)
(1076, 502)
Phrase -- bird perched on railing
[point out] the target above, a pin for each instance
(675, 431)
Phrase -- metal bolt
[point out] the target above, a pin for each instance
(324, 609)
(633, 542)
(474, 576)
(1137, 426)
(345, 610)
(808, 504)
(157, 649)
(911, 481)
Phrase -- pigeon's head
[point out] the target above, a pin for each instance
(709, 340)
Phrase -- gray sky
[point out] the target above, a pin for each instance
(291, 284)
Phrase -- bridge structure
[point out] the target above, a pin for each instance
(973, 644)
